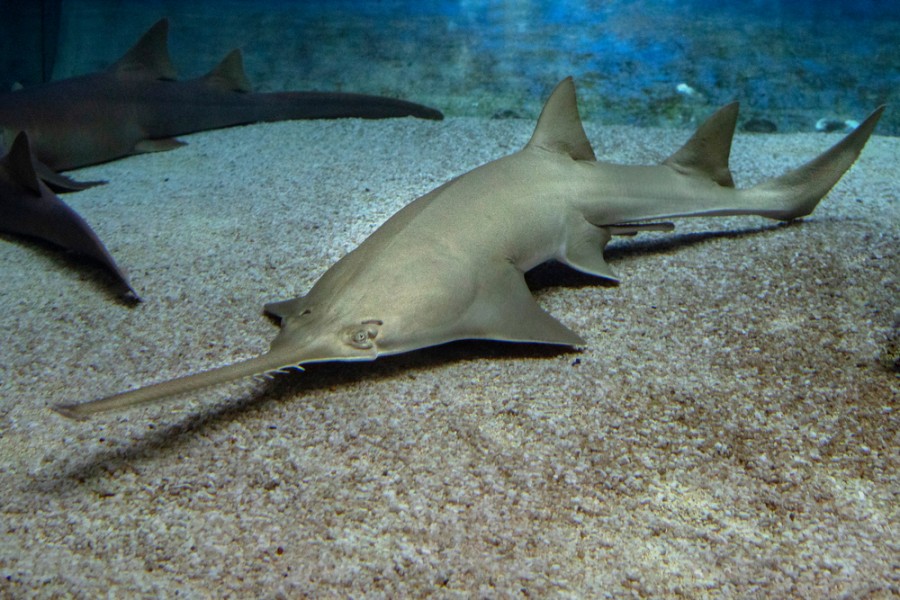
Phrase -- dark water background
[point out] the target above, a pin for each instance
(790, 63)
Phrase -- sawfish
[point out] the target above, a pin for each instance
(31, 208)
(136, 106)
(450, 265)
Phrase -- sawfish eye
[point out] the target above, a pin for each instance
(362, 337)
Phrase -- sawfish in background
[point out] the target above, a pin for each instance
(450, 265)
(29, 207)
(136, 106)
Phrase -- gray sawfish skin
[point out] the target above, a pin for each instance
(136, 106)
(31, 208)
(450, 265)
(133, 107)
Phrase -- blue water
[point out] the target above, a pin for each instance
(789, 63)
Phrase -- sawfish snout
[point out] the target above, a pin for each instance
(304, 338)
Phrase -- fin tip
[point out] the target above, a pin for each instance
(70, 411)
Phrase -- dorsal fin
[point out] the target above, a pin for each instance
(149, 57)
(20, 163)
(229, 74)
(706, 153)
(27, 163)
(559, 127)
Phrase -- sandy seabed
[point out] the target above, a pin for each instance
(730, 430)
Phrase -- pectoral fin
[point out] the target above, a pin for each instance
(505, 310)
(284, 308)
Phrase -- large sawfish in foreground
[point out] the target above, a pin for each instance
(133, 107)
(450, 265)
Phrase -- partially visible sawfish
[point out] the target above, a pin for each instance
(451, 264)
(135, 106)
(31, 208)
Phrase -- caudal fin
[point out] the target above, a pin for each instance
(797, 193)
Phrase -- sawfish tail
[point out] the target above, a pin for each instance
(265, 364)
(704, 158)
(333, 105)
(790, 196)
(237, 105)
(797, 193)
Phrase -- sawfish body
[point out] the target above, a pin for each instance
(107, 116)
(36, 211)
(136, 106)
(450, 265)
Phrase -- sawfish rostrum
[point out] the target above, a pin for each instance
(450, 265)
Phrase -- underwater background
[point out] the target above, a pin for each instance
(731, 428)
(795, 66)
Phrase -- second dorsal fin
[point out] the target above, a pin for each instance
(706, 153)
(229, 74)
